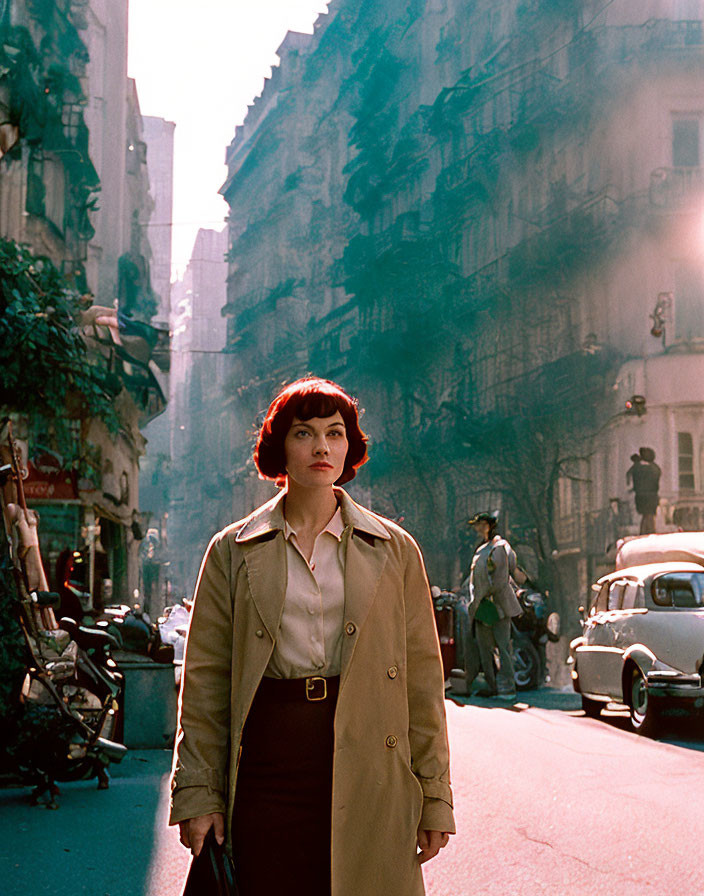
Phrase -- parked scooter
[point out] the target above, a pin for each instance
(67, 714)
(135, 632)
(531, 633)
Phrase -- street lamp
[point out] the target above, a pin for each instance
(636, 405)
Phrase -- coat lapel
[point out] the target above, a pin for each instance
(267, 574)
(364, 565)
(262, 541)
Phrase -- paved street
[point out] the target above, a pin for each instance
(548, 802)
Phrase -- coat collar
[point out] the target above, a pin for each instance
(270, 518)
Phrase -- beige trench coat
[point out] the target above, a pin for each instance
(391, 753)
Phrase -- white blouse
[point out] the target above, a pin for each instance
(309, 640)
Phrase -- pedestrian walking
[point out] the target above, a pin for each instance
(493, 603)
(312, 730)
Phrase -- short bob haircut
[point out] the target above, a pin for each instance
(306, 398)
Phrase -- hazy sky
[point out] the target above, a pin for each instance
(199, 63)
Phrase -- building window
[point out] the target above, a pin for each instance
(689, 301)
(685, 461)
(685, 143)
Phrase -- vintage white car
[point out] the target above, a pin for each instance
(642, 643)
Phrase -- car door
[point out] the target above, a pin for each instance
(600, 657)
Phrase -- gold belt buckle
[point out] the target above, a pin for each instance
(312, 687)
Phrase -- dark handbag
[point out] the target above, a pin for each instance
(212, 872)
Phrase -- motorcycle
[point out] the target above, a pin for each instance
(67, 712)
(530, 633)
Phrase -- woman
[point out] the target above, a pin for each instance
(492, 604)
(308, 598)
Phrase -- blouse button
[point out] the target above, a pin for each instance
(392, 671)
(391, 741)
(350, 628)
(259, 633)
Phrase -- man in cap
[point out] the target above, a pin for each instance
(493, 603)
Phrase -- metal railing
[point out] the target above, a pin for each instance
(673, 187)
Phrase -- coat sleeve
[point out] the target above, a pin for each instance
(430, 759)
(199, 778)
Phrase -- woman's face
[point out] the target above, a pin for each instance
(316, 450)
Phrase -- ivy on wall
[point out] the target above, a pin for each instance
(46, 372)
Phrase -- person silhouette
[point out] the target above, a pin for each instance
(646, 484)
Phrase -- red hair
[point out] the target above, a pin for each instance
(306, 398)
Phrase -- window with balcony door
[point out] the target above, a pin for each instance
(685, 461)
(689, 301)
(685, 143)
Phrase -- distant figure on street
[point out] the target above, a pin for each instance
(493, 603)
(645, 476)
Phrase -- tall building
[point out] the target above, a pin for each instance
(159, 137)
(485, 219)
(200, 489)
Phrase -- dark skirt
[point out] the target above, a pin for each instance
(283, 801)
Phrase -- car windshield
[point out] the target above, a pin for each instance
(683, 590)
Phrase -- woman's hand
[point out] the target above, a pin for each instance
(193, 830)
(430, 843)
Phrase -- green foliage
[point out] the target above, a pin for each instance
(46, 373)
(376, 120)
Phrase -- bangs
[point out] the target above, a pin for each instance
(319, 404)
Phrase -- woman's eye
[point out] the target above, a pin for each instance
(336, 432)
(302, 433)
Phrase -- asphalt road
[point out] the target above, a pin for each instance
(551, 802)
(547, 801)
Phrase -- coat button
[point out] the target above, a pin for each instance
(259, 633)
(391, 741)
(392, 671)
(350, 628)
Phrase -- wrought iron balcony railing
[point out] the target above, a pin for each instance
(671, 188)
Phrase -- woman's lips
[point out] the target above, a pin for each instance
(321, 466)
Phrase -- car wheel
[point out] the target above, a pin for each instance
(592, 708)
(644, 717)
(526, 665)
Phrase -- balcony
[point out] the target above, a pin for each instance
(673, 188)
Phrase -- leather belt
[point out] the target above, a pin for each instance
(313, 689)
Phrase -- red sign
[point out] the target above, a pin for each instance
(48, 482)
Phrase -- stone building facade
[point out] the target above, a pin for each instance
(74, 188)
(485, 220)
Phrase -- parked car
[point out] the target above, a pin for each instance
(642, 643)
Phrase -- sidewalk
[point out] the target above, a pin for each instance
(98, 843)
